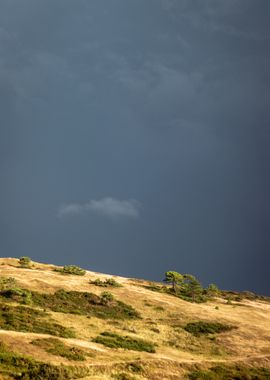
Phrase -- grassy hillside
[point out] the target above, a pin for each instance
(56, 323)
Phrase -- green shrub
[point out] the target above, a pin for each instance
(25, 261)
(109, 282)
(112, 282)
(7, 283)
(23, 296)
(155, 288)
(84, 303)
(57, 347)
(204, 328)
(135, 367)
(71, 269)
(113, 340)
(230, 373)
(26, 319)
(212, 291)
(106, 297)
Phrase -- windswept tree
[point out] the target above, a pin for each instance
(174, 278)
(192, 287)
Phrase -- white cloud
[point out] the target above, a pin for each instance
(109, 207)
(70, 209)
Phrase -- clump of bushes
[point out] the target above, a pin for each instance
(17, 294)
(106, 297)
(114, 340)
(71, 269)
(25, 262)
(57, 347)
(185, 286)
(85, 303)
(26, 319)
(228, 372)
(17, 366)
(204, 328)
(109, 282)
(7, 283)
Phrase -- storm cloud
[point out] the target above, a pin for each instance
(108, 207)
(161, 101)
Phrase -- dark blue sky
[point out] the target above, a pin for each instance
(134, 136)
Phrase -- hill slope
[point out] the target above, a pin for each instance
(56, 326)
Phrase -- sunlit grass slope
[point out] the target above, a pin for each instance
(58, 324)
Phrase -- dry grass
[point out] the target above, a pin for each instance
(164, 317)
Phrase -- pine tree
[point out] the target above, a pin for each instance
(175, 279)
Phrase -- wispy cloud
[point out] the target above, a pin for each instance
(108, 207)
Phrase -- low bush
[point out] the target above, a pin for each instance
(113, 340)
(16, 366)
(57, 347)
(17, 294)
(71, 269)
(179, 293)
(26, 319)
(135, 367)
(84, 303)
(109, 282)
(229, 373)
(7, 283)
(25, 262)
(106, 297)
(155, 288)
(205, 328)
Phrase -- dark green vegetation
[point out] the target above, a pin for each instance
(230, 373)
(188, 287)
(113, 340)
(7, 283)
(184, 286)
(17, 366)
(26, 319)
(84, 303)
(109, 282)
(25, 262)
(205, 328)
(239, 296)
(57, 347)
(17, 294)
(74, 302)
(71, 269)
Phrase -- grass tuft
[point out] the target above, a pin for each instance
(16, 366)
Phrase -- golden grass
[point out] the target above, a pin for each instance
(177, 351)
